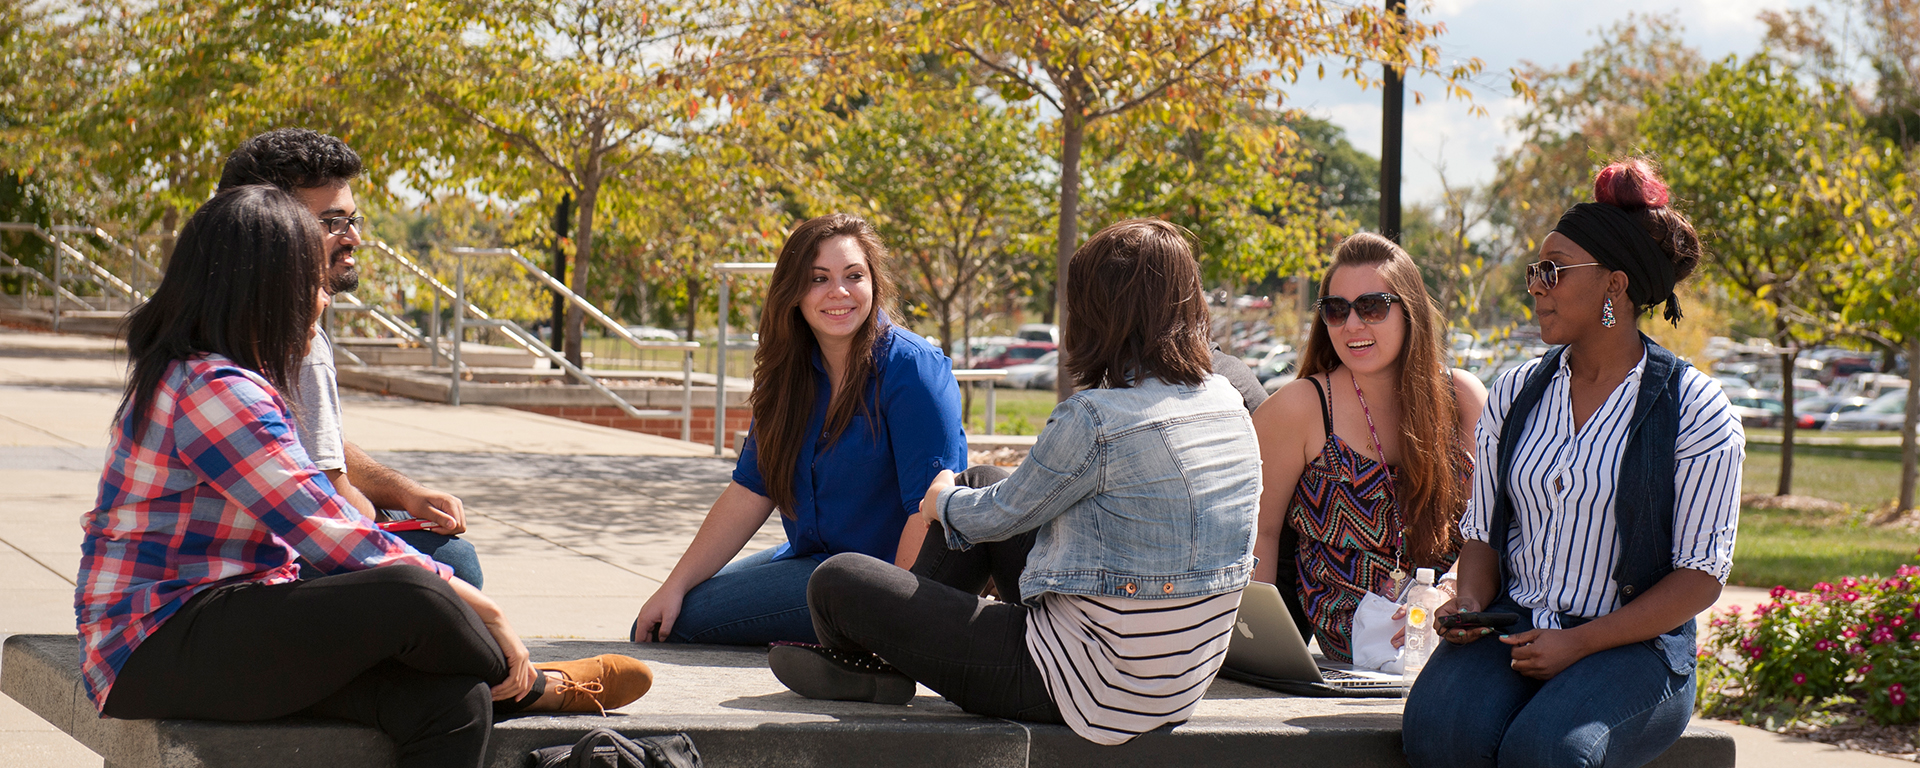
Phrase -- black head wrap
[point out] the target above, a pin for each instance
(1617, 241)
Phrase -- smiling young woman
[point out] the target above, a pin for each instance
(1366, 456)
(853, 417)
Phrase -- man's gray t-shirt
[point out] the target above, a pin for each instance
(316, 398)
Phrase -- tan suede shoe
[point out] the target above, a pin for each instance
(601, 683)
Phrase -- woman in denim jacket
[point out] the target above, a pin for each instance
(1130, 526)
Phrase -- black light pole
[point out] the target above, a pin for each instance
(1393, 116)
(562, 221)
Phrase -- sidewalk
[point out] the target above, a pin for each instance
(576, 524)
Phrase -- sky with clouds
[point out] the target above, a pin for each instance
(1503, 33)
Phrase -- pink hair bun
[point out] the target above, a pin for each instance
(1630, 184)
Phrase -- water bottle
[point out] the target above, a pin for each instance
(1422, 600)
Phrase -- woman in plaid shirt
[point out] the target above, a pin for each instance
(188, 600)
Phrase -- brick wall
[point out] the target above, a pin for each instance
(610, 416)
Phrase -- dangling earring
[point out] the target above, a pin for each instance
(1607, 319)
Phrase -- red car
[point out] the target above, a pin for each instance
(1014, 354)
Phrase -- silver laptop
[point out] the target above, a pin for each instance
(1266, 643)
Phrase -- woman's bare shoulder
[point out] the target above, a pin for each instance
(1296, 406)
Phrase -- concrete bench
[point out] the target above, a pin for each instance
(739, 715)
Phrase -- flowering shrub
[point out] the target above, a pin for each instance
(1857, 641)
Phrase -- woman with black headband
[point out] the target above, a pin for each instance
(1606, 499)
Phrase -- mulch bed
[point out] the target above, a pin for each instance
(1857, 732)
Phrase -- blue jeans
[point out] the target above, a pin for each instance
(448, 550)
(1618, 708)
(755, 600)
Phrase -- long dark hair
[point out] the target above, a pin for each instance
(783, 386)
(1430, 491)
(242, 283)
(1135, 307)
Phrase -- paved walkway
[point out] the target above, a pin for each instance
(576, 524)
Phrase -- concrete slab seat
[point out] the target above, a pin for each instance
(740, 716)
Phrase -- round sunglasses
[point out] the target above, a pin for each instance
(1373, 307)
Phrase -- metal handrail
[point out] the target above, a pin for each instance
(726, 270)
(532, 342)
(442, 288)
(42, 278)
(89, 229)
(104, 277)
(988, 375)
(354, 304)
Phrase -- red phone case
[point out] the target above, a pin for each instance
(411, 524)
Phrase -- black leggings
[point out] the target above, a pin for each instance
(932, 623)
(391, 647)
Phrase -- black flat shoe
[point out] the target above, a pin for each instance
(819, 672)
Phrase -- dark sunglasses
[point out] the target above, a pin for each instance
(1547, 273)
(1373, 307)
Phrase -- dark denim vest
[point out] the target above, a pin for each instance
(1643, 497)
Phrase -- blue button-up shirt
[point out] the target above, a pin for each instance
(856, 493)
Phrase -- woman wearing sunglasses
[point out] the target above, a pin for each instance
(1366, 455)
(1605, 505)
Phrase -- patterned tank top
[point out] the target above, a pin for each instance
(1349, 532)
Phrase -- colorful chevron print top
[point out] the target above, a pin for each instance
(1349, 533)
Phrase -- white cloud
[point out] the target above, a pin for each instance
(1503, 33)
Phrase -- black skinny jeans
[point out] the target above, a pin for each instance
(391, 647)
(932, 623)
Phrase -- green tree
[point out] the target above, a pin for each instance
(1735, 143)
(519, 98)
(1586, 114)
(959, 215)
(1106, 66)
(1871, 188)
(1238, 187)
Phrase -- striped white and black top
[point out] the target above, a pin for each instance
(1562, 545)
(1119, 667)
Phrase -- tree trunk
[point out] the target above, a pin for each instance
(1787, 424)
(693, 305)
(582, 263)
(170, 232)
(1073, 132)
(1909, 451)
(562, 219)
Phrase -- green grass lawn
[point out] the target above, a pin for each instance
(1016, 411)
(1798, 549)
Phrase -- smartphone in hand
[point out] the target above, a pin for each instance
(1476, 620)
(409, 524)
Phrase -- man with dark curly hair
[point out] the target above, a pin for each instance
(318, 170)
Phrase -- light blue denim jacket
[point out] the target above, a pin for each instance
(1147, 492)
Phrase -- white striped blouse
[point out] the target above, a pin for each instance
(1562, 544)
(1119, 667)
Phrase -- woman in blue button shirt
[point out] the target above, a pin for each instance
(853, 417)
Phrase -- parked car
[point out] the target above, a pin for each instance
(1732, 383)
(982, 347)
(1803, 388)
(1047, 332)
(1887, 413)
(1277, 362)
(1814, 413)
(1756, 409)
(1015, 354)
(1022, 376)
(1868, 384)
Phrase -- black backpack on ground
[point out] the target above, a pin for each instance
(603, 748)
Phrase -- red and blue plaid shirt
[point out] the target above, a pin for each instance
(216, 491)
